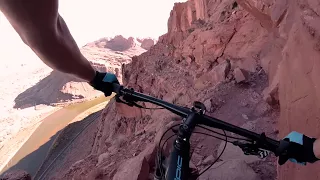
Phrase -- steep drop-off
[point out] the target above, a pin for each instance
(210, 47)
(106, 55)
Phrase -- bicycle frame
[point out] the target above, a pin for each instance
(178, 168)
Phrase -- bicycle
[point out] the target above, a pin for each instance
(178, 165)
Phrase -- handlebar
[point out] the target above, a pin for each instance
(259, 144)
(264, 142)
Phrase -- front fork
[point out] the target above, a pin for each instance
(178, 168)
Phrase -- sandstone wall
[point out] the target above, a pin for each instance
(291, 58)
(299, 73)
(282, 37)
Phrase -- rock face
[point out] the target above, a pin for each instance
(296, 39)
(290, 57)
(203, 31)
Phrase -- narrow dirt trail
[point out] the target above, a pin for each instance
(241, 105)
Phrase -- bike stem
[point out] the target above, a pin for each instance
(179, 157)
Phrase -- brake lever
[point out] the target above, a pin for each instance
(119, 100)
(252, 149)
(126, 98)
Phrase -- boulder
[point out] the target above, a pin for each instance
(230, 170)
(244, 116)
(271, 93)
(102, 158)
(240, 75)
(208, 160)
(262, 108)
(216, 75)
(222, 71)
(207, 103)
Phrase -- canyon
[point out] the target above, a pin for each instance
(253, 64)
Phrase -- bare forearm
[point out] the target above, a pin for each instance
(59, 51)
(45, 32)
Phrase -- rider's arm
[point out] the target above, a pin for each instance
(45, 32)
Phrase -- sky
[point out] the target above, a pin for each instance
(89, 20)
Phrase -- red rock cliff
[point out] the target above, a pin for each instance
(296, 68)
(280, 36)
(291, 58)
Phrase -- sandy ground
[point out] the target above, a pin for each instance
(12, 145)
(76, 126)
(13, 82)
(21, 138)
(18, 124)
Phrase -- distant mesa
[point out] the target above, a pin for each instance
(105, 54)
(146, 43)
(120, 43)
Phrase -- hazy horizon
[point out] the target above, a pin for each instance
(89, 21)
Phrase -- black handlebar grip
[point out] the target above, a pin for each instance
(116, 88)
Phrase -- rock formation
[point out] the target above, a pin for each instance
(146, 43)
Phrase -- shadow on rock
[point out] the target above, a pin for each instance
(50, 90)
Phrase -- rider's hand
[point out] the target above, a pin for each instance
(103, 82)
(300, 151)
